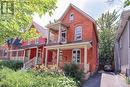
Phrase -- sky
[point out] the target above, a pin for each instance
(92, 7)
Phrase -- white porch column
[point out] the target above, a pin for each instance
(85, 59)
(59, 35)
(48, 36)
(36, 61)
(46, 57)
(42, 57)
(58, 56)
(23, 55)
(16, 55)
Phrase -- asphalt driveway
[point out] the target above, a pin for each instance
(93, 81)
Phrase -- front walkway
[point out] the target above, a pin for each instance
(105, 80)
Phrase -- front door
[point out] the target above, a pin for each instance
(76, 56)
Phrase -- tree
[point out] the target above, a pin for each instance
(19, 13)
(107, 25)
(126, 3)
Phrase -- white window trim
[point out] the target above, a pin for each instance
(29, 42)
(65, 36)
(70, 18)
(76, 54)
(75, 34)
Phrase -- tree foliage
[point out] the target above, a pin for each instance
(12, 25)
(31, 34)
(107, 25)
(126, 3)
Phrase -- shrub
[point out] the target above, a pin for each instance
(74, 71)
(15, 65)
(10, 78)
(128, 80)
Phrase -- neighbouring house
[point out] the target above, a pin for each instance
(3, 52)
(35, 48)
(73, 39)
(8, 51)
(122, 44)
(30, 51)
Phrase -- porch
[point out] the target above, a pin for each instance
(68, 53)
(34, 54)
(57, 33)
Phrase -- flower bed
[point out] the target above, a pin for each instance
(11, 78)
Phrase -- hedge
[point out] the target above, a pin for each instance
(12, 64)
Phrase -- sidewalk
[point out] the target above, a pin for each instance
(106, 80)
(112, 80)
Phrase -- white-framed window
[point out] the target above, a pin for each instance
(71, 17)
(76, 54)
(78, 33)
(36, 40)
(29, 42)
(63, 36)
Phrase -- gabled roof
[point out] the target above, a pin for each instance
(79, 10)
(39, 28)
(123, 21)
(82, 13)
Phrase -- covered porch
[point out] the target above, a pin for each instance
(34, 54)
(69, 53)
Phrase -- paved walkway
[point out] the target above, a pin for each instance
(105, 80)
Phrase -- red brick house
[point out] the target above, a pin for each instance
(35, 48)
(29, 51)
(73, 39)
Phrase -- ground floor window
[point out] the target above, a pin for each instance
(76, 55)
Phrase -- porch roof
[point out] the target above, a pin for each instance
(55, 26)
(31, 46)
(71, 45)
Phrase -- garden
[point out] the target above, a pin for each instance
(11, 75)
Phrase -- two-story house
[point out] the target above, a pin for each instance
(122, 44)
(35, 48)
(73, 39)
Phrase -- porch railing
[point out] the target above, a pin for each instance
(31, 63)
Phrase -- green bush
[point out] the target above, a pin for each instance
(74, 71)
(10, 78)
(128, 80)
(15, 65)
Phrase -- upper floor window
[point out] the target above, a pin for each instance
(71, 17)
(78, 33)
(63, 36)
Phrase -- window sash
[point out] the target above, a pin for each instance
(76, 55)
(78, 33)
(63, 36)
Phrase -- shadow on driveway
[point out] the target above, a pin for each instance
(93, 81)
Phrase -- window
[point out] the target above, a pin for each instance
(78, 33)
(71, 18)
(37, 41)
(29, 42)
(63, 36)
(76, 55)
